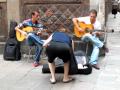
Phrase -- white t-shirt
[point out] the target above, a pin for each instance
(86, 20)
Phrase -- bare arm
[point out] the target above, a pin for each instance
(47, 41)
(75, 22)
(21, 31)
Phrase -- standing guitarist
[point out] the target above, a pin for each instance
(32, 37)
(90, 20)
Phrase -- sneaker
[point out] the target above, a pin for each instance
(106, 50)
(35, 64)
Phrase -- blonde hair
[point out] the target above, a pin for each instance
(62, 30)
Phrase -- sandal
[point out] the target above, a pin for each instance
(69, 80)
(52, 81)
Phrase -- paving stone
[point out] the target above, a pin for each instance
(20, 75)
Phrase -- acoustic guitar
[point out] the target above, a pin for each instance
(21, 37)
(85, 27)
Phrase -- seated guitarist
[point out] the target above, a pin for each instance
(90, 20)
(32, 37)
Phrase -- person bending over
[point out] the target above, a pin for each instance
(59, 44)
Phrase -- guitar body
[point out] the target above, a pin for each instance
(84, 27)
(20, 36)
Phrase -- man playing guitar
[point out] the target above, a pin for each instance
(22, 34)
(86, 36)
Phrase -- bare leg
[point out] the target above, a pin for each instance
(52, 70)
(114, 16)
(66, 71)
(66, 78)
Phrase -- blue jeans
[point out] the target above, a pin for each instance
(96, 45)
(37, 41)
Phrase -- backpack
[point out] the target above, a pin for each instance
(12, 50)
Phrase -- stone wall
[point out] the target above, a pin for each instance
(13, 11)
(63, 11)
(3, 0)
(108, 8)
(19, 10)
(3, 21)
(99, 5)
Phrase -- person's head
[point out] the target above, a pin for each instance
(49, 12)
(35, 15)
(93, 15)
(62, 29)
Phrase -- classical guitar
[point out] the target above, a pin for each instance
(86, 28)
(21, 37)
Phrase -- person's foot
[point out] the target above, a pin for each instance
(36, 64)
(68, 80)
(106, 50)
(53, 81)
(96, 66)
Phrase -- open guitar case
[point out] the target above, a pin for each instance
(78, 64)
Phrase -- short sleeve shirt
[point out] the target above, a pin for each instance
(86, 20)
(28, 22)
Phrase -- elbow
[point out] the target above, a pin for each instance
(16, 28)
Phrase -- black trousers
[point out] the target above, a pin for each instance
(58, 49)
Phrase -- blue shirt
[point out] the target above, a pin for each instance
(61, 37)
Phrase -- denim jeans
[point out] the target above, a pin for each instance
(37, 41)
(97, 44)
